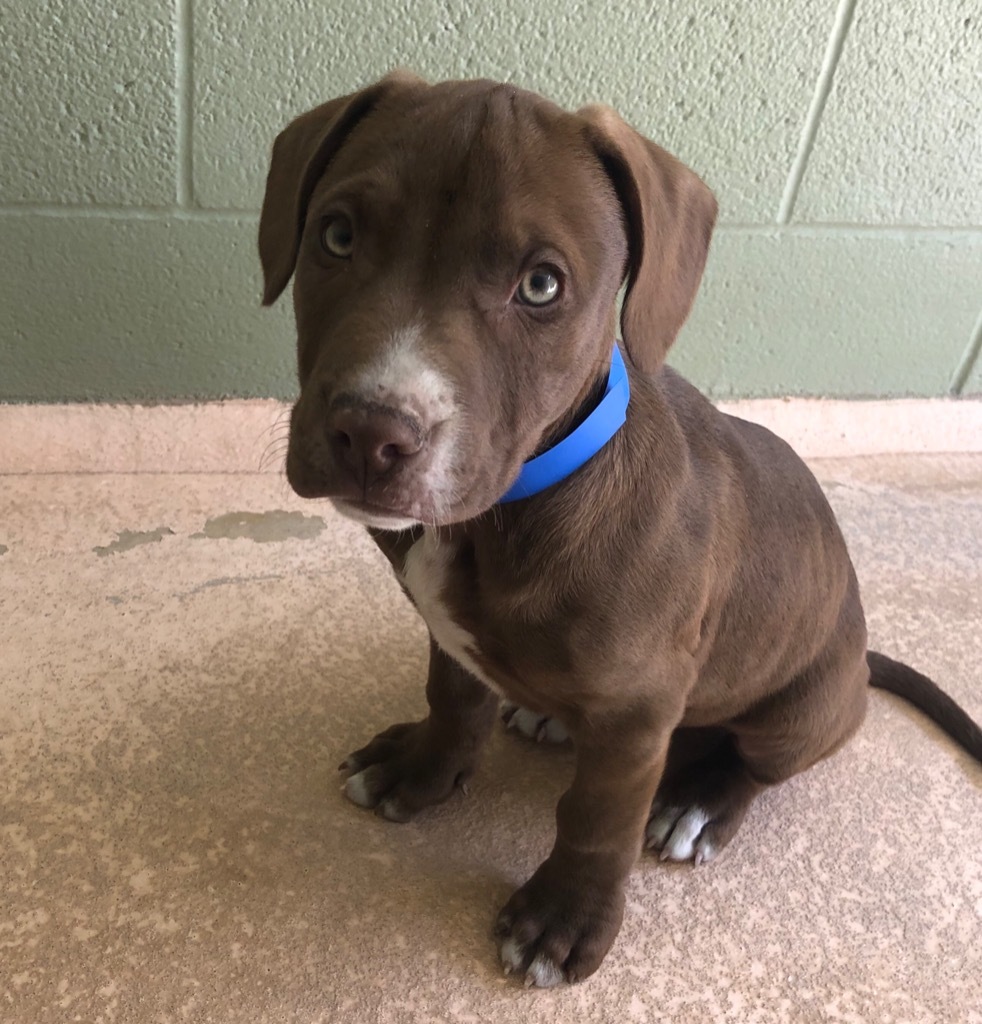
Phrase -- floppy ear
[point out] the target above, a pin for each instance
(669, 214)
(301, 154)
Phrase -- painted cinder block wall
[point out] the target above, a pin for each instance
(844, 140)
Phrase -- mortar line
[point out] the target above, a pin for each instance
(93, 212)
(809, 131)
(184, 99)
(804, 229)
(968, 360)
(836, 227)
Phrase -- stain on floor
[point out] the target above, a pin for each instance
(262, 527)
(225, 581)
(126, 540)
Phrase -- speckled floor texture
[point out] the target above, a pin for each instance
(184, 660)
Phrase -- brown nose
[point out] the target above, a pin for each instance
(372, 439)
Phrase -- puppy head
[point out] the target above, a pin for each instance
(457, 251)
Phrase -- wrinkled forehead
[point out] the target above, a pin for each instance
(511, 160)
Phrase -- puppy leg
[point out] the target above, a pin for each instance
(699, 807)
(416, 764)
(560, 924)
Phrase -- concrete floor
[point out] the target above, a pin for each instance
(185, 659)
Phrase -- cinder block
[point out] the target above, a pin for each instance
(901, 138)
(725, 85)
(88, 102)
(844, 314)
(110, 309)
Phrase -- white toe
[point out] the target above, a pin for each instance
(526, 722)
(393, 810)
(552, 731)
(543, 973)
(511, 954)
(534, 726)
(681, 844)
(357, 791)
(660, 827)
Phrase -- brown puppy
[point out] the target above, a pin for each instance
(683, 603)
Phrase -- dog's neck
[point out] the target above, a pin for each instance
(591, 424)
(594, 422)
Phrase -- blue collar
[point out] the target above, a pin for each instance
(577, 448)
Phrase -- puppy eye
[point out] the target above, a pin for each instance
(338, 236)
(539, 286)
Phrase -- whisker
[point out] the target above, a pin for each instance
(274, 451)
(277, 444)
(447, 502)
(277, 441)
(282, 421)
(277, 433)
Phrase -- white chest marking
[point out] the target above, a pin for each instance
(425, 576)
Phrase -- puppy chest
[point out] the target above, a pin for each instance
(426, 575)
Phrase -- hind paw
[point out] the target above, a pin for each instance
(682, 833)
(532, 725)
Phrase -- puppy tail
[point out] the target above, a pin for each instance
(926, 696)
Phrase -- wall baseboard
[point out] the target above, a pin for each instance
(246, 436)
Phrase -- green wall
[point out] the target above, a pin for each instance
(844, 141)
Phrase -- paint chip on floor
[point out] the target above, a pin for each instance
(262, 527)
(126, 540)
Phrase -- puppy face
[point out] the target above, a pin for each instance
(454, 289)
(457, 250)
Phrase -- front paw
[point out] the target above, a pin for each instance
(404, 770)
(559, 926)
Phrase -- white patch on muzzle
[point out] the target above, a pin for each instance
(404, 378)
